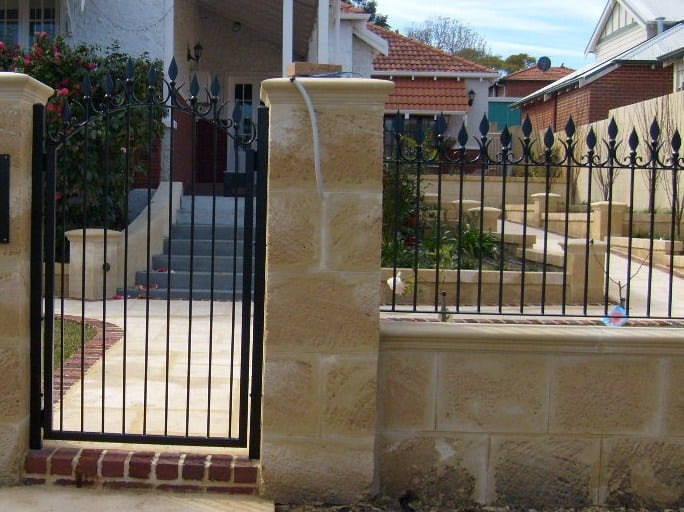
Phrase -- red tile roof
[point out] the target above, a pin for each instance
(537, 75)
(345, 7)
(406, 55)
(425, 93)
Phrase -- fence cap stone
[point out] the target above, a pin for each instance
(544, 194)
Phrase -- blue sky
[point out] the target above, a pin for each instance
(558, 29)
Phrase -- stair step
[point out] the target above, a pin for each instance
(200, 280)
(205, 247)
(180, 262)
(204, 231)
(182, 293)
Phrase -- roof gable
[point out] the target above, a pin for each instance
(618, 14)
(407, 55)
(650, 52)
(537, 75)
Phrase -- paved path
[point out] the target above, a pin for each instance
(662, 295)
(58, 499)
(153, 398)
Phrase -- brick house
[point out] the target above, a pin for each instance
(515, 86)
(639, 51)
(429, 82)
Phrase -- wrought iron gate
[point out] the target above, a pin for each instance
(172, 290)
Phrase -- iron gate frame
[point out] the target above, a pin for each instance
(45, 147)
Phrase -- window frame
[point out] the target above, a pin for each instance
(24, 35)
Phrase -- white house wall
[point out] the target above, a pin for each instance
(480, 105)
(363, 56)
(137, 26)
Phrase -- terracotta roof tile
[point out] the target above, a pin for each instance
(535, 74)
(345, 7)
(424, 93)
(407, 54)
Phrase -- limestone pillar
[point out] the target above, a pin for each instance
(579, 265)
(599, 222)
(322, 296)
(539, 210)
(18, 93)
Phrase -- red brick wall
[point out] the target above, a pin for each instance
(624, 86)
(521, 88)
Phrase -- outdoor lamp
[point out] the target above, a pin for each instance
(471, 97)
(196, 54)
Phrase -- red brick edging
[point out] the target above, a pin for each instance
(121, 469)
(106, 333)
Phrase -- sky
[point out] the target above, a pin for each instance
(558, 29)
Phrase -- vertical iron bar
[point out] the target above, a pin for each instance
(191, 292)
(37, 258)
(50, 193)
(124, 341)
(611, 176)
(673, 221)
(250, 164)
(103, 354)
(212, 263)
(569, 156)
(588, 240)
(502, 246)
(167, 351)
(484, 158)
(259, 282)
(148, 259)
(630, 231)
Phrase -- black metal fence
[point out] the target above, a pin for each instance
(174, 292)
(586, 223)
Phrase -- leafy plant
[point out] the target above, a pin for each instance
(98, 117)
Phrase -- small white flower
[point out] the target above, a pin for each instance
(396, 284)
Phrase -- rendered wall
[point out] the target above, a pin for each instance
(18, 93)
(531, 416)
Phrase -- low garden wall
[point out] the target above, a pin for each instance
(531, 416)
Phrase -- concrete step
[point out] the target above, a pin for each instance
(199, 263)
(182, 293)
(223, 281)
(204, 231)
(205, 247)
(59, 499)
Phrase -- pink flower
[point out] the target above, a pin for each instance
(52, 107)
(63, 92)
(27, 61)
(91, 66)
(43, 34)
(2, 45)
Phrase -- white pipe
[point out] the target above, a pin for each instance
(323, 31)
(314, 131)
(288, 33)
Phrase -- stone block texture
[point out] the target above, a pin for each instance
(536, 417)
(18, 93)
(322, 298)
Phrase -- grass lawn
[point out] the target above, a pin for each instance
(72, 339)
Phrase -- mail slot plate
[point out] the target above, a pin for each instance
(4, 198)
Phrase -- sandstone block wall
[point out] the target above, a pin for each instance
(532, 416)
(322, 298)
(18, 93)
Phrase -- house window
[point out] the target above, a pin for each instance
(42, 18)
(21, 20)
(410, 130)
(679, 76)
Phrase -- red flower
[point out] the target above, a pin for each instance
(63, 92)
(2, 45)
(52, 107)
(27, 61)
(91, 66)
